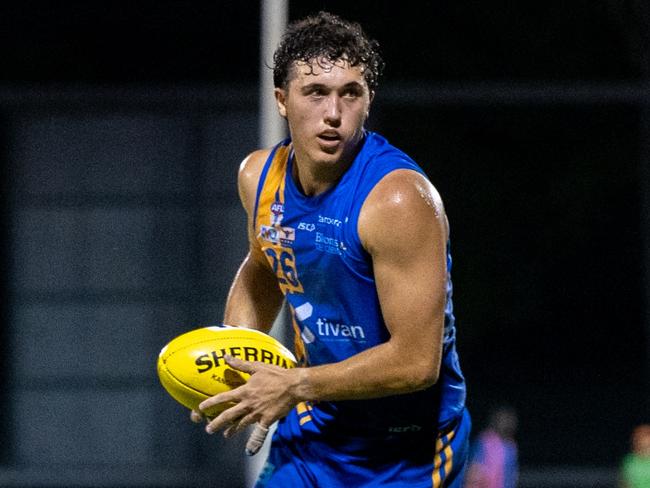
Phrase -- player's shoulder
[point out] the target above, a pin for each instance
(248, 177)
(252, 165)
(403, 191)
(402, 202)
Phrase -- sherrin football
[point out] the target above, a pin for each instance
(192, 368)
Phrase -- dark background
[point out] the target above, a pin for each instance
(529, 117)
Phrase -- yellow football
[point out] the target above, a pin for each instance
(191, 367)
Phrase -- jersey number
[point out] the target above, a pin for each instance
(284, 267)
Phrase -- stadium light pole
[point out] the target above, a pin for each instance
(274, 15)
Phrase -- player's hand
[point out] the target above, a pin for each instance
(266, 397)
(196, 417)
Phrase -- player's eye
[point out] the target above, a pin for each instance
(352, 92)
(316, 92)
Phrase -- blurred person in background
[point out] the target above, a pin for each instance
(493, 459)
(635, 469)
(351, 232)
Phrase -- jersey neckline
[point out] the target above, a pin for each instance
(314, 201)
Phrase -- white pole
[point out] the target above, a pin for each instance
(274, 15)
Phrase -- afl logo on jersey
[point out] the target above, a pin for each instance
(277, 209)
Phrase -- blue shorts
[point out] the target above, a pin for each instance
(311, 461)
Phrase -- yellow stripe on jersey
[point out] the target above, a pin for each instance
(442, 448)
(305, 419)
(299, 348)
(437, 462)
(274, 238)
(304, 408)
(449, 462)
(273, 184)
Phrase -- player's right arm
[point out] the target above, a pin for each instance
(254, 299)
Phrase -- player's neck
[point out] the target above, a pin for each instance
(313, 178)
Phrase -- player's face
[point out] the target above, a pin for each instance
(326, 105)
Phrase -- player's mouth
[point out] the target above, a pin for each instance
(329, 139)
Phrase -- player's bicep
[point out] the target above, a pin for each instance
(411, 278)
(410, 282)
(403, 227)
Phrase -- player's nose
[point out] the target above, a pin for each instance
(333, 111)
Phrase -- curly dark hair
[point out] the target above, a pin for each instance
(328, 36)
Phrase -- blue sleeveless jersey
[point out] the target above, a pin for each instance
(314, 249)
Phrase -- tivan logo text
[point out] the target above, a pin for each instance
(336, 331)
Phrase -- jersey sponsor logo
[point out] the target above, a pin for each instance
(329, 221)
(329, 245)
(278, 235)
(307, 335)
(309, 227)
(304, 311)
(329, 330)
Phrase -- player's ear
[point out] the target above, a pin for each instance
(281, 99)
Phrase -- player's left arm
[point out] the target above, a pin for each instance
(404, 228)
